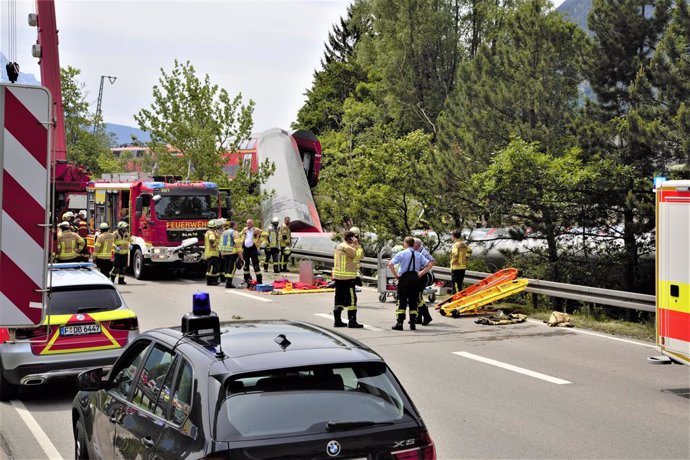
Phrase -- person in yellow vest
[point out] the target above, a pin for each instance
(121, 240)
(212, 255)
(250, 239)
(66, 217)
(272, 250)
(69, 243)
(103, 249)
(230, 253)
(285, 244)
(344, 274)
(458, 261)
(359, 255)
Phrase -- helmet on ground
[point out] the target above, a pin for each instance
(82, 214)
(68, 215)
(355, 230)
(122, 224)
(275, 220)
(64, 225)
(211, 223)
(104, 226)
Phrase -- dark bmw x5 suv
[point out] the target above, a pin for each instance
(251, 390)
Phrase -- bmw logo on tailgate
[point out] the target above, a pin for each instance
(333, 448)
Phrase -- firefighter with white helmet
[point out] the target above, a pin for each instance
(211, 253)
(272, 251)
(359, 255)
(121, 241)
(103, 249)
(285, 243)
(230, 253)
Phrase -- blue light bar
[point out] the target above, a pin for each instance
(210, 185)
(66, 265)
(201, 303)
(154, 185)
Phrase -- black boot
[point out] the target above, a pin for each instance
(121, 281)
(413, 323)
(399, 323)
(338, 322)
(112, 279)
(425, 316)
(352, 320)
(259, 278)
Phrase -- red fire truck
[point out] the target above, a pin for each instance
(167, 219)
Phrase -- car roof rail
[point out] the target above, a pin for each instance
(70, 265)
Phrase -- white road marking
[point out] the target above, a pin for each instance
(366, 326)
(510, 367)
(243, 294)
(596, 334)
(36, 430)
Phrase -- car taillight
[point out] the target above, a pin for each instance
(127, 324)
(427, 451)
(40, 332)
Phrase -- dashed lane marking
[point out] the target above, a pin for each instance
(36, 430)
(250, 296)
(580, 331)
(366, 326)
(510, 367)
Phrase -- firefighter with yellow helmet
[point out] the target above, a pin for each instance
(212, 254)
(344, 274)
(231, 256)
(103, 246)
(271, 241)
(121, 241)
(69, 244)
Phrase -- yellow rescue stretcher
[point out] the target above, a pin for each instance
(473, 302)
(288, 289)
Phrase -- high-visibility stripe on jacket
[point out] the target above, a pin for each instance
(211, 244)
(83, 229)
(458, 255)
(344, 266)
(69, 245)
(285, 236)
(228, 245)
(359, 253)
(121, 242)
(103, 246)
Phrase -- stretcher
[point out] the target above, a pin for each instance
(473, 302)
(289, 289)
(500, 277)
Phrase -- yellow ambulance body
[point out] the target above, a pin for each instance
(673, 269)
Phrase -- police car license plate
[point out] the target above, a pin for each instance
(80, 329)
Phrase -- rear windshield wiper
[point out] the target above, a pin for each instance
(335, 426)
(89, 309)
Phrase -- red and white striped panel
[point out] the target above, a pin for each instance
(24, 188)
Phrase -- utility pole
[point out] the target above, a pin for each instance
(100, 100)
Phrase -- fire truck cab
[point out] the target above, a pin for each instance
(673, 269)
(167, 219)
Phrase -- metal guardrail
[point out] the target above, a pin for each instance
(609, 297)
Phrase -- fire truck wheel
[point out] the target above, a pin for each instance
(138, 266)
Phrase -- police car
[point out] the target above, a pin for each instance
(87, 325)
(246, 390)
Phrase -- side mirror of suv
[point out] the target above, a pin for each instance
(90, 380)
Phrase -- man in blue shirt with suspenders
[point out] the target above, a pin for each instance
(412, 266)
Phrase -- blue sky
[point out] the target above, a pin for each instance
(267, 50)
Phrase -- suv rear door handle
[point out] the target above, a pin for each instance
(147, 442)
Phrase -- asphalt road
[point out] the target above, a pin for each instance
(518, 391)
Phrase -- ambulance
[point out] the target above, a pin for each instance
(673, 269)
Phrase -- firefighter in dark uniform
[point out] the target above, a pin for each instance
(413, 266)
(272, 250)
(285, 244)
(121, 242)
(103, 249)
(424, 318)
(344, 274)
(212, 255)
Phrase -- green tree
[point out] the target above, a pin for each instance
(626, 34)
(84, 147)
(193, 124)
